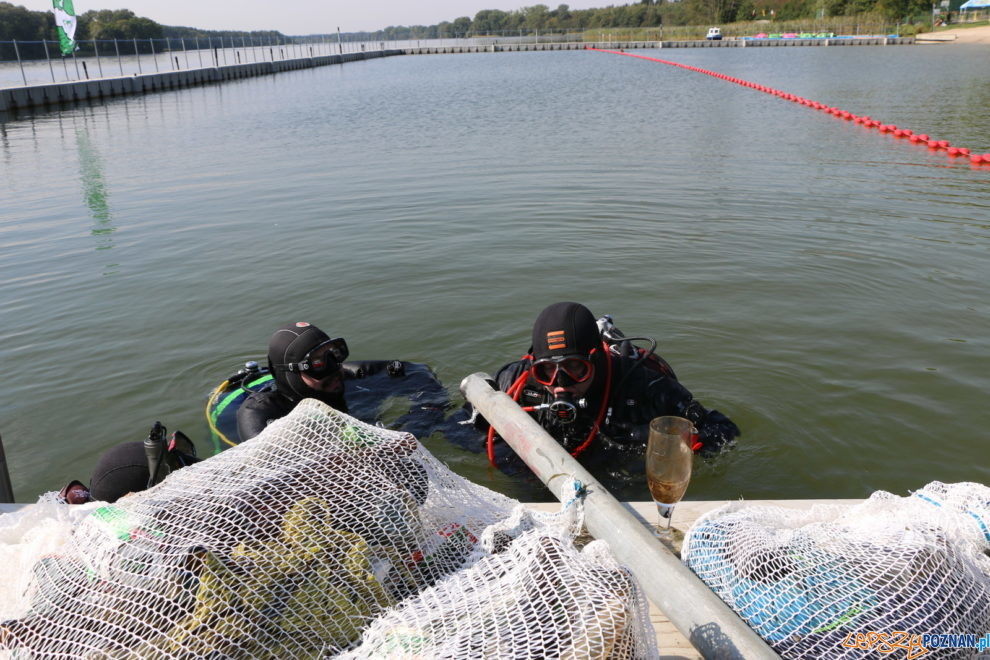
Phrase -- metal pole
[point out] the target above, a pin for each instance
(21, 64)
(185, 52)
(340, 48)
(6, 488)
(223, 49)
(714, 629)
(138, 55)
(168, 47)
(47, 57)
(154, 55)
(99, 64)
(120, 64)
(200, 53)
(75, 63)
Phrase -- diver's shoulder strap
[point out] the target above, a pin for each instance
(657, 364)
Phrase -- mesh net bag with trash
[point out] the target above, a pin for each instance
(321, 537)
(838, 581)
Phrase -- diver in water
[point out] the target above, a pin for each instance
(306, 364)
(595, 392)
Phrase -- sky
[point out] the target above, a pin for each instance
(308, 16)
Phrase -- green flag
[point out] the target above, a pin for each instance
(65, 21)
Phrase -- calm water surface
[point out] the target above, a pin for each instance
(823, 285)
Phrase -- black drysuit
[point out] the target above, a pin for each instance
(381, 379)
(642, 389)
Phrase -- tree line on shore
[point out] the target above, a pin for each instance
(17, 22)
(22, 24)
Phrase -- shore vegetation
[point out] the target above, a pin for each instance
(647, 20)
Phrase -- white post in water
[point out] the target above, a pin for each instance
(17, 51)
(154, 55)
(138, 56)
(51, 69)
(714, 629)
(99, 64)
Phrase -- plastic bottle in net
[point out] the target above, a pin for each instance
(300, 542)
(810, 581)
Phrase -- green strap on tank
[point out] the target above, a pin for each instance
(226, 401)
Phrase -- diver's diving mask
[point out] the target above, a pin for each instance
(323, 360)
(547, 370)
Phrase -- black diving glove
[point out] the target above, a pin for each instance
(715, 433)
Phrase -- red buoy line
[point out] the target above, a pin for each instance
(865, 120)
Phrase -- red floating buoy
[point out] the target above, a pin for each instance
(932, 144)
(963, 151)
(952, 151)
(943, 144)
(976, 159)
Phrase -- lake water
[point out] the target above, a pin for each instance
(823, 285)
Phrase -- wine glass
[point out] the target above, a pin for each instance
(668, 465)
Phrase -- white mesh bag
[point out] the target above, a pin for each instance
(293, 544)
(809, 581)
(538, 598)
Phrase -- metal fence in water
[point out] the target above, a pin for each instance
(41, 62)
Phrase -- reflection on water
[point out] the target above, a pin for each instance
(820, 284)
(95, 192)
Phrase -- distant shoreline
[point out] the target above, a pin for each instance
(962, 35)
